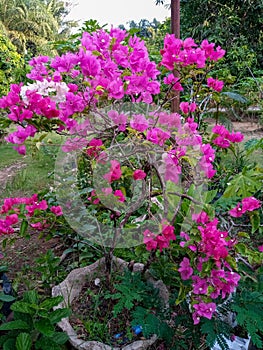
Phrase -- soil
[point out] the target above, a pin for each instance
(20, 256)
(249, 129)
(100, 316)
(9, 172)
(93, 317)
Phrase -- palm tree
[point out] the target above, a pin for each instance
(31, 24)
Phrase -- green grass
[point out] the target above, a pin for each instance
(36, 175)
(8, 155)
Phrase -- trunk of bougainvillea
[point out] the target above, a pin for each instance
(175, 29)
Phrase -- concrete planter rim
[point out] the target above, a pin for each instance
(70, 288)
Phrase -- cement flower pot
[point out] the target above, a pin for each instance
(71, 287)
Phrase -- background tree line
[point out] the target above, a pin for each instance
(32, 26)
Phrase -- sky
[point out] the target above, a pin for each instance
(117, 11)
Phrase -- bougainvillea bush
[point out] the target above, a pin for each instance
(130, 172)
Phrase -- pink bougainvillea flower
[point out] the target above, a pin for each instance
(159, 241)
(168, 232)
(40, 226)
(260, 248)
(139, 122)
(236, 212)
(11, 219)
(184, 107)
(250, 204)
(187, 107)
(94, 147)
(235, 137)
(208, 152)
(19, 136)
(107, 191)
(157, 136)
(221, 131)
(221, 142)
(36, 206)
(139, 174)
(162, 242)
(72, 144)
(203, 310)
(215, 84)
(119, 119)
(57, 210)
(114, 173)
(172, 80)
(20, 149)
(201, 218)
(119, 194)
(200, 285)
(89, 63)
(172, 170)
(185, 269)
(149, 240)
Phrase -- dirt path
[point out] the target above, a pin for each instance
(8, 172)
(249, 129)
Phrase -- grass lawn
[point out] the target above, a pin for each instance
(37, 171)
(8, 155)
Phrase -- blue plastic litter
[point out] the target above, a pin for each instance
(137, 329)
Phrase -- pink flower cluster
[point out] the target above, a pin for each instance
(106, 65)
(94, 148)
(215, 84)
(187, 107)
(186, 52)
(213, 248)
(11, 209)
(247, 204)
(188, 139)
(224, 138)
(94, 199)
(159, 241)
(139, 174)
(114, 173)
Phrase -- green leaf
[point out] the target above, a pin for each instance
(23, 227)
(241, 248)
(255, 221)
(7, 298)
(13, 325)
(51, 302)
(9, 344)
(244, 184)
(60, 338)
(45, 327)
(235, 96)
(23, 342)
(31, 297)
(182, 295)
(46, 343)
(21, 306)
(210, 195)
(3, 268)
(58, 314)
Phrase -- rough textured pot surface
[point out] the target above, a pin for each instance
(71, 287)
